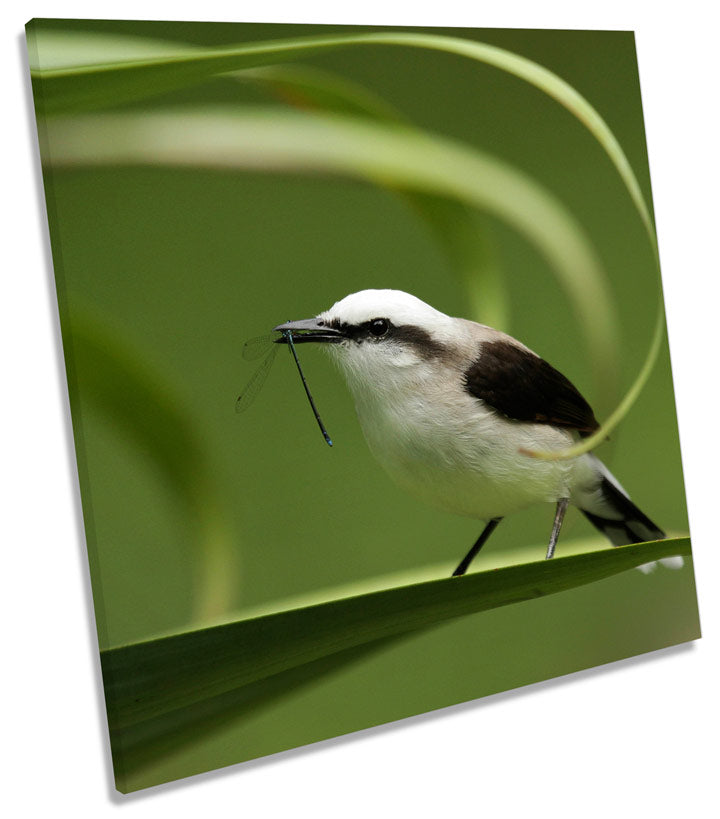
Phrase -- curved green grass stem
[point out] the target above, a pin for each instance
(387, 154)
(621, 410)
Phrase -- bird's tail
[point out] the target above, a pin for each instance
(616, 516)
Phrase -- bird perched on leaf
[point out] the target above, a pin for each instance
(449, 407)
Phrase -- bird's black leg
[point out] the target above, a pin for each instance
(562, 506)
(479, 543)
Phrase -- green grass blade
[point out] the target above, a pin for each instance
(99, 80)
(146, 411)
(307, 87)
(138, 747)
(145, 681)
(387, 154)
(462, 233)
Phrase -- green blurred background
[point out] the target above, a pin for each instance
(180, 267)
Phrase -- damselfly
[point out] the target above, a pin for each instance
(267, 346)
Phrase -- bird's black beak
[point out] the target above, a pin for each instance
(308, 330)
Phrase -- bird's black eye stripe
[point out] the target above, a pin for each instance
(374, 329)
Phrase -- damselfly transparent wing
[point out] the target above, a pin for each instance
(259, 346)
(267, 346)
(254, 349)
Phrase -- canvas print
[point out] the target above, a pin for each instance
(368, 372)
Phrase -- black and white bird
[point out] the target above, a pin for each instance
(447, 407)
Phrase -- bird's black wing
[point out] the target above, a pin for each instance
(524, 387)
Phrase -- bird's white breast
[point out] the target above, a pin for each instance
(441, 443)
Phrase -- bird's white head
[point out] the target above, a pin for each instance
(380, 337)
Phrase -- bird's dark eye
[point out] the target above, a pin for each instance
(378, 327)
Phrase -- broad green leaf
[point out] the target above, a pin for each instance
(187, 682)
(148, 679)
(138, 747)
(387, 154)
